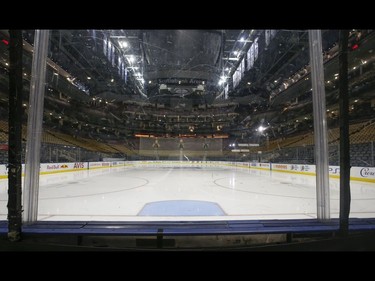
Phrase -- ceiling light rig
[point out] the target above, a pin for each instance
(127, 59)
(131, 59)
(123, 44)
(222, 80)
(238, 49)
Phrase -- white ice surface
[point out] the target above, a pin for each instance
(119, 194)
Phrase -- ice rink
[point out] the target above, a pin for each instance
(186, 193)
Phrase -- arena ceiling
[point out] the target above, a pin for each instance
(193, 68)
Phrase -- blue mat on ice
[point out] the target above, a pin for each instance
(181, 208)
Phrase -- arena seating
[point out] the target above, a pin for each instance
(293, 149)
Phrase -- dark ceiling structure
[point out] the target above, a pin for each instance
(214, 81)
